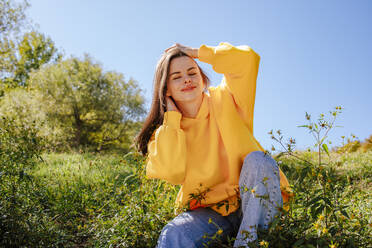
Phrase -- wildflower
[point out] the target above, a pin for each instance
(324, 231)
(316, 226)
(220, 231)
(333, 245)
(321, 217)
(329, 180)
(264, 243)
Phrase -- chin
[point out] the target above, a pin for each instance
(190, 97)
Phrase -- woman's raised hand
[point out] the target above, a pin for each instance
(171, 106)
(192, 52)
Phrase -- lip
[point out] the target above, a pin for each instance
(190, 88)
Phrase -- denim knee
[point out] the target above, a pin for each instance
(258, 159)
(174, 235)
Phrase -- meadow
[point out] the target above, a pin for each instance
(83, 199)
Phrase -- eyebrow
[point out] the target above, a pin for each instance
(193, 67)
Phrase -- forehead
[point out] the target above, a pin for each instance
(181, 64)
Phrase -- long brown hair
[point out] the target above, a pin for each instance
(158, 106)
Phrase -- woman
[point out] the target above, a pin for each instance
(204, 142)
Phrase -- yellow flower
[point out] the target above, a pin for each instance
(220, 231)
(321, 217)
(324, 230)
(316, 226)
(264, 243)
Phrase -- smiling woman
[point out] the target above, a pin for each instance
(185, 86)
(204, 141)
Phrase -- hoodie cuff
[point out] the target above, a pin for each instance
(172, 119)
(206, 53)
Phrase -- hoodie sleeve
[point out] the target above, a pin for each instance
(166, 157)
(239, 65)
(240, 68)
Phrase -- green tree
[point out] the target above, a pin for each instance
(12, 17)
(20, 52)
(90, 106)
(30, 54)
(12, 21)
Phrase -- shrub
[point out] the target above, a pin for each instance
(321, 213)
(22, 222)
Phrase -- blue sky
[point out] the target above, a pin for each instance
(315, 55)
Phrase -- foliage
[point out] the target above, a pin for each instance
(104, 200)
(99, 200)
(320, 214)
(21, 221)
(95, 200)
(353, 145)
(76, 104)
(12, 16)
(25, 108)
(19, 60)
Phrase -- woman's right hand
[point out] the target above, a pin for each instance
(190, 51)
(171, 106)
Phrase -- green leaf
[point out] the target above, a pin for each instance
(314, 200)
(325, 148)
(298, 242)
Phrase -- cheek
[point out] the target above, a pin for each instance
(170, 87)
(199, 79)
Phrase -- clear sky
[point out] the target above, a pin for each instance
(315, 55)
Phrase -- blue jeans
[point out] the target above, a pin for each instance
(261, 198)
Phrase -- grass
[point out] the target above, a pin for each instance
(105, 201)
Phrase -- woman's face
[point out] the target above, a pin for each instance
(185, 82)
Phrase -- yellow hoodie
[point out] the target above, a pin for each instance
(205, 154)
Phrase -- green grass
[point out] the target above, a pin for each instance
(93, 200)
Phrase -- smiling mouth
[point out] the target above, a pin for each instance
(189, 88)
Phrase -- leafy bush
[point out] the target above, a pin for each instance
(326, 210)
(22, 222)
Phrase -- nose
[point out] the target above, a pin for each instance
(187, 80)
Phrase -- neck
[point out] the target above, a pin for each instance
(190, 109)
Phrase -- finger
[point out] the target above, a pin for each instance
(173, 46)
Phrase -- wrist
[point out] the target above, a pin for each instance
(195, 52)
